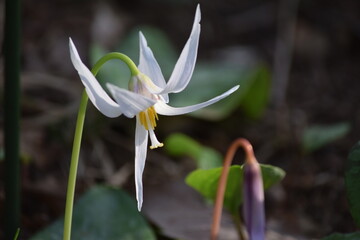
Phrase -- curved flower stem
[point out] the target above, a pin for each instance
(78, 135)
(73, 167)
(241, 142)
(115, 55)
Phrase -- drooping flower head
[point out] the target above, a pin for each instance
(253, 192)
(147, 95)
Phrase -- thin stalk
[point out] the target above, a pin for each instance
(11, 50)
(115, 55)
(78, 136)
(73, 167)
(241, 142)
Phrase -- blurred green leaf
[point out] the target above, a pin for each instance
(315, 137)
(212, 79)
(340, 236)
(103, 213)
(206, 183)
(208, 81)
(256, 98)
(178, 144)
(352, 183)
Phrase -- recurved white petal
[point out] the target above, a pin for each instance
(141, 141)
(96, 93)
(129, 102)
(185, 65)
(164, 109)
(149, 66)
(148, 63)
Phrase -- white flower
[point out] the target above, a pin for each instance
(147, 95)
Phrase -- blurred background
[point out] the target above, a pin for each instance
(299, 105)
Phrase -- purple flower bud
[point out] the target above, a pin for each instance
(253, 208)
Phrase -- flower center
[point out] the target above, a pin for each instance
(148, 118)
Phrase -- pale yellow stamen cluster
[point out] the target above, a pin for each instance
(148, 118)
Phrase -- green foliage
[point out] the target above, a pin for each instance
(352, 183)
(315, 137)
(340, 236)
(256, 98)
(179, 144)
(103, 213)
(206, 183)
(209, 79)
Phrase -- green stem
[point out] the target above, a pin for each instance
(73, 166)
(115, 55)
(78, 135)
(11, 50)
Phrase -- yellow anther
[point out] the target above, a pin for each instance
(142, 116)
(148, 118)
(157, 146)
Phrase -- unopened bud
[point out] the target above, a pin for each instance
(254, 214)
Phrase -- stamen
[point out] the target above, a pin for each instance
(148, 118)
(142, 116)
(152, 116)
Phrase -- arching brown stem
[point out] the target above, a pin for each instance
(250, 157)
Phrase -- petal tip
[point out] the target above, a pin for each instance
(233, 89)
(142, 39)
(71, 44)
(141, 35)
(198, 14)
(74, 56)
(110, 86)
(139, 205)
